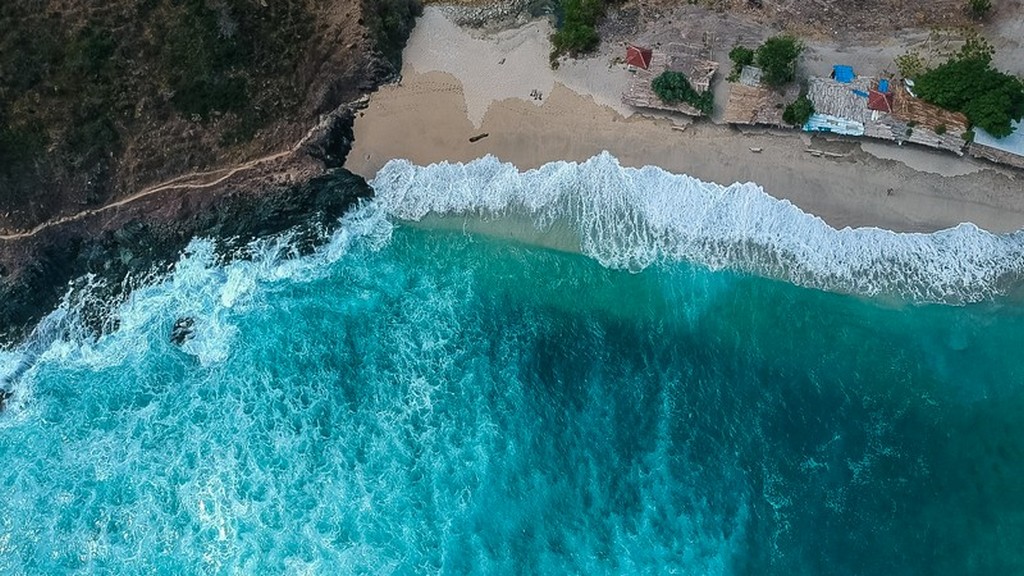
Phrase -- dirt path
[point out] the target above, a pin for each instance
(185, 181)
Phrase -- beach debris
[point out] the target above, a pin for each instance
(756, 150)
(500, 62)
(536, 94)
(478, 137)
(822, 153)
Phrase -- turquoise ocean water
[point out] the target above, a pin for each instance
(717, 384)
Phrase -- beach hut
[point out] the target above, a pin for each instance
(638, 57)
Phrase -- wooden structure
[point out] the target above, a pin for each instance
(995, 155)
(757, 105)
(1007, 150)
(910, 109)
(678, 58)
(846, 105)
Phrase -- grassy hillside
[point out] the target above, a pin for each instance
(98, 97)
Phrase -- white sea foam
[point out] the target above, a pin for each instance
(201, 287)
(632, 218)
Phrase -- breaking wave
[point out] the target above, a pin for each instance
(633, 218)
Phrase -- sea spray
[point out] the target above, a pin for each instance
(409, 400)
(632, 218)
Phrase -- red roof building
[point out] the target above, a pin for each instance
(879, 101)
(638, 57)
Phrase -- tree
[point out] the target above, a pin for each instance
(777, 59)
(967, 83)
(673, 87)
(798, 112)
(741, 56)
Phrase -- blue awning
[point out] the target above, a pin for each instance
(883, 86)
(843, 73)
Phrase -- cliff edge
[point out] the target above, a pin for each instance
(128, 127)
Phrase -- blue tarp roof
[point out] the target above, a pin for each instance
(883, 85)
(1014, 143)
(843, 73)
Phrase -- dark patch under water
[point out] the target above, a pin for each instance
(447, 404)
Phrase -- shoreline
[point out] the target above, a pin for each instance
(430, 116)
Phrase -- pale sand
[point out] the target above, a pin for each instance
(427, 119)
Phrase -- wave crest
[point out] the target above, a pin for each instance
(632, 218)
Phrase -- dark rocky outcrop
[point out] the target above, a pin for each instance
(296, 64)
(182, 330)
(146, 241)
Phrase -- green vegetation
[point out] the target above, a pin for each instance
(777, 59)
(673, 88)
(799, 111)
(741, 56)
(392, 23)
(74, 85)
(578, 31)
(967, 83)
(910, 65)
(940, 129)
(979, 8)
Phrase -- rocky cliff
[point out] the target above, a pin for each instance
(128, 127)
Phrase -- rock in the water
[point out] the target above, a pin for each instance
(183, 329)
(4, 395)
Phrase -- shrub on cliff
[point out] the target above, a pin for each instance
(777, 59)
(393, 21)
(578, 31)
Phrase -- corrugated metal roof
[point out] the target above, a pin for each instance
(834, 124)
(750, 76)
(1014, 143)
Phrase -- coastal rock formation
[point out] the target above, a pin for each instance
(144, 237)
(127, 128)
(183, 329)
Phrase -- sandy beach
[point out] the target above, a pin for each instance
(457, 85)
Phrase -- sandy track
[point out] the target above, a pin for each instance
(183, 182)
